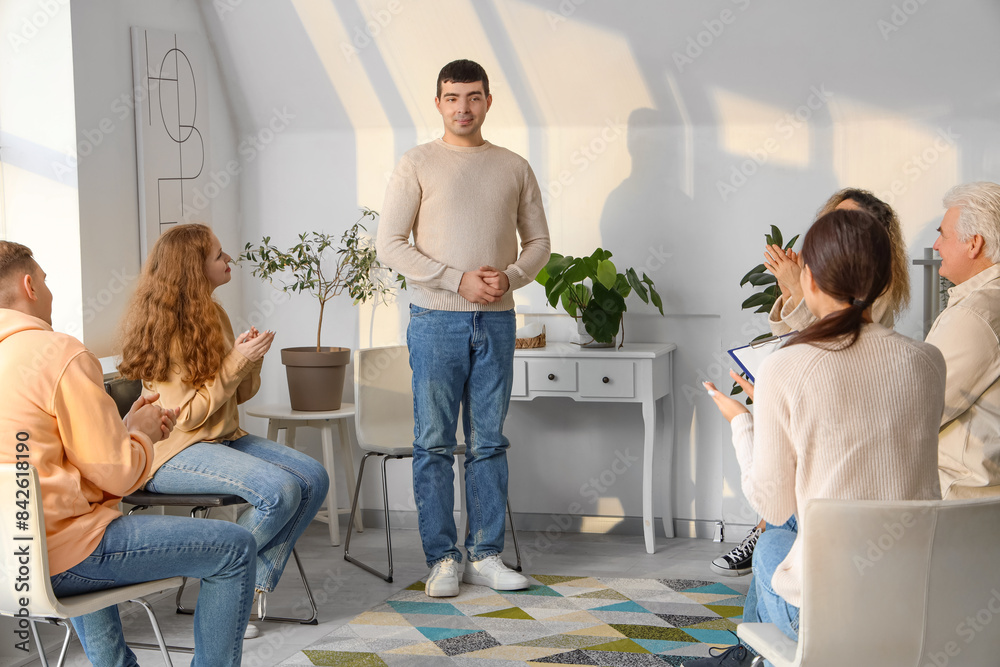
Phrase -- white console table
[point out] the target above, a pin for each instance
(637, 373)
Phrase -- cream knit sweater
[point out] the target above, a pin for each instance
(859, 423)
(465, 207)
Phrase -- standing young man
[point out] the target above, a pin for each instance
(466, 202)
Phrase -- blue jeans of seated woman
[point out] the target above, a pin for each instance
(135, 549)
(284, 487)
(467, 359)
(763, 604)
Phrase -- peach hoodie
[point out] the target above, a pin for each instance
(52, 389)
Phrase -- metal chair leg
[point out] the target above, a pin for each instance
(162, 645)
(385, 503)
(513, 533)
(262, 601)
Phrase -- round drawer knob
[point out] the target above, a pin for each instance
(606, 380)
(552, 376)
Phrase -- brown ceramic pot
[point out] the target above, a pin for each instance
(316, 379)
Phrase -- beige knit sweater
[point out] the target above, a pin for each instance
(858, 423)
(465, 207)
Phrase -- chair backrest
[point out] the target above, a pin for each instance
(24, 563)
(383, 399)
(900, 583)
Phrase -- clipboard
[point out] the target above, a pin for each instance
(749, 357)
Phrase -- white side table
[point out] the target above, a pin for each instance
(283, 417)
(637, 373)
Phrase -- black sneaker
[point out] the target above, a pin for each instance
(739, 561)
(734, 656)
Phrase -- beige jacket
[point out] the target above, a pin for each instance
(968, 334)
(208, 413)
(785, 319)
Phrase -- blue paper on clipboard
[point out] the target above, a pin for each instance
(750, 357)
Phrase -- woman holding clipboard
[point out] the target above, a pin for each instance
(847, 409)
(791, 313)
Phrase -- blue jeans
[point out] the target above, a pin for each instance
(467, 359)
(135, 549)
(284, 487)
(763, 605)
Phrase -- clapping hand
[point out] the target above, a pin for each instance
(253, 344)
(146, 417)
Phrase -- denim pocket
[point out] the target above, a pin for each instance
(417, 311)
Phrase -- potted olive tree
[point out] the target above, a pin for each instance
(593, 292)
(319, 266)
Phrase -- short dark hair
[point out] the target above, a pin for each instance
(463, 71)
(15, 260)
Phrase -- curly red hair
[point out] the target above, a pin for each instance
(172, 312)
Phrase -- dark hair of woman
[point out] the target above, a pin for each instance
(848, 253)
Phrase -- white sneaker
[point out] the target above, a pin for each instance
(443, 579)
(252, 631)
(491, 572)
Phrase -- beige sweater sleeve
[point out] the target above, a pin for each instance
(392, 242)
(533, 231)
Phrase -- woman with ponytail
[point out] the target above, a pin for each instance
(847, 409)
(179, 341)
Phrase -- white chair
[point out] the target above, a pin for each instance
(383, 418)
(894, 584)
(25, 586)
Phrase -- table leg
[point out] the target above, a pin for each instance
(272, 429)
(348, 451)
(667, 451)
(326, 432)
(649, 422)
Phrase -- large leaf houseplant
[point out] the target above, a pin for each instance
(324, 267)
(593, 292)
(762, 301)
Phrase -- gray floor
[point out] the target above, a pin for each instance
(343, 591)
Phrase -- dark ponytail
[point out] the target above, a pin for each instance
(849, 255)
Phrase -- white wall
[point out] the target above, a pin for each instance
(665, 132)
(105, 102)
(37, 146)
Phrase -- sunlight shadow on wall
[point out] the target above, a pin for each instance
(373, 133)
(906, 164)
(762, 132)
(585, 82)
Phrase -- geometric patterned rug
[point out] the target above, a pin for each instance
(559, 620)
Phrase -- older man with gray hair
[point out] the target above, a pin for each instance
(968, 334)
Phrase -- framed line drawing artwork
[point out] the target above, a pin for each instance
(171, 131)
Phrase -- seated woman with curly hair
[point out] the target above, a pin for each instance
(179, 341)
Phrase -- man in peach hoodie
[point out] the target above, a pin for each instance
(55, 409)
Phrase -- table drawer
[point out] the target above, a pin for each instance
(551, 375)
(601, 378)
(520, 386)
